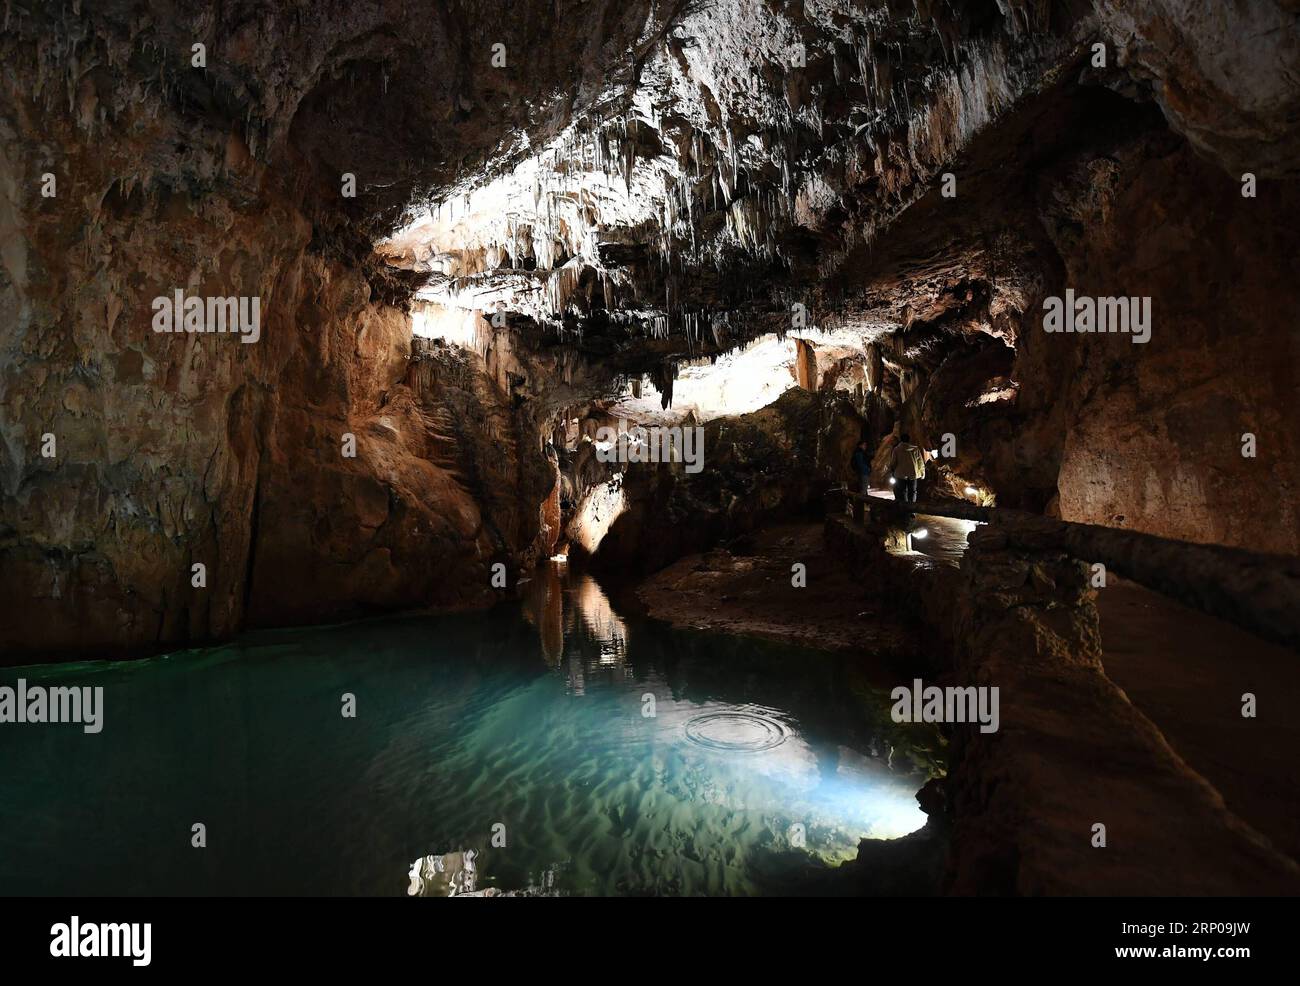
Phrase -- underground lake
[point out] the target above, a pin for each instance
(561, 747)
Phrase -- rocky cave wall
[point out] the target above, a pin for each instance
(771, 153)
(774, 463)
(1098, 428)
(1154, 432)
(1093, 191)
(176, 450)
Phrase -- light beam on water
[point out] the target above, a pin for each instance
(464, 723)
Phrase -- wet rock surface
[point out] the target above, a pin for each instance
(1071, 752)
(752, 594)
(182, 450)
(773, 463)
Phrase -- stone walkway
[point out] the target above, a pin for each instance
(945, 538)
(1187, 672)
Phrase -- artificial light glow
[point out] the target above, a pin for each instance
(996, 395)
(737, 382)
(891, 480)
(599, 507)
(455, 326)
(971, 491)
(920, 533)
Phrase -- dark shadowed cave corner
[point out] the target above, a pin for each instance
(793, 225)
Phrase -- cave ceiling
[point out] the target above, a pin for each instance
(646, 180)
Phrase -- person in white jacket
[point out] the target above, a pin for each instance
(907, 464)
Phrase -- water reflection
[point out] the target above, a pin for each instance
(739, 757)
(573, 750)
(572, 607)
(454, 874)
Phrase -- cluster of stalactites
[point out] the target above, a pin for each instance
(917, 112)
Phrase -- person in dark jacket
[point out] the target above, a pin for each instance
(861, 464)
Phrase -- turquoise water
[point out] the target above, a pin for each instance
(569, 747)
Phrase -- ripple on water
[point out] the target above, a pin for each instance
(736, 731)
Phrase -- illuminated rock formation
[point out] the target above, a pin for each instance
(467, 228)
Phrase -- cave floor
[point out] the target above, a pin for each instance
(1187, 671)
(753, 595)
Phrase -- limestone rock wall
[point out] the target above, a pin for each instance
(775, 462)
(173, 450)
(766, 153)
(176, 450)
(1153, 433)
(1222, 73)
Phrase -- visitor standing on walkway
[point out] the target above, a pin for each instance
(861, 464)
(907, 464)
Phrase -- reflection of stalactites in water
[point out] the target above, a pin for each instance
(543, 606)
(596, 616)
(562, 604)
(577, 680)
(552, 624)
(451, 874)
(545, 887)
(455, 874)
